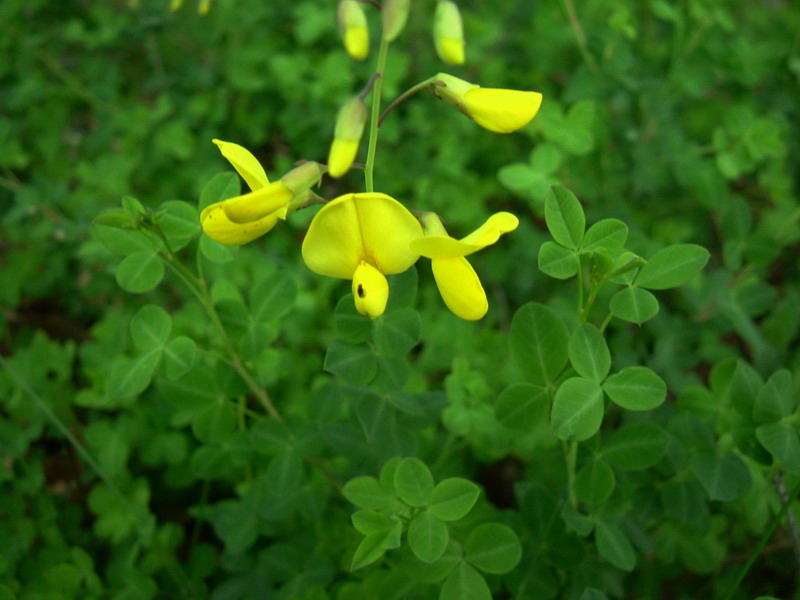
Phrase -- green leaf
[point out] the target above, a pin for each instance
(636, 446)
(220, 187)
(371, 548)
(521, 404)
(179, 356)
(216, 252)
(453, 498)
(493, 548)
(369, 521)
(594, 482)
(672, 266)
(610, 234)
(150, 327)
(397, 332)
(723, 477)
(214, 423)
(354, 363)
(593, 594)
(413, 482)
(131, 377)
(634, 304)
(684, 500)
(614, 546)
(178, 220)
(367, 492)
(284, 472)
(436, 571)
(351, 326)
(577, 409)
(465, 583)
(589, 353)
(775, 400)
(126, 241)
(269, 300)
(539, 342)
(781, 440)
(636, 388)
(564, 216)
(427, 537)
(557, 261)
(140, 272)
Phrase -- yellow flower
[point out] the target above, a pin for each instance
(242, 219)
(457, 281)
(448, 33)
(498, 110)
(353, 27)
(362, 237)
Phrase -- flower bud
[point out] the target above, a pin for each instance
(448, 33)
(302, 178)
(394, 14)
(498, 110)
(353, 27)
(346, 136)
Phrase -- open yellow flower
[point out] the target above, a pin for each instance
(242, 219)
(362, 237)
(498, 110)
(457, 281)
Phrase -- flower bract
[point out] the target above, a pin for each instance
(457, 281)
(362, 237)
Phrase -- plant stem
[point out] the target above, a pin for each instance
(199, 288)
(571, 457)
(422, 85)
(761, 543)
(580, 290)
(579, 34)
(373, 121)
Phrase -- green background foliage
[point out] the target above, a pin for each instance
(181, 419)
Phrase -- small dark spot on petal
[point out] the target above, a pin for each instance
(361, 292)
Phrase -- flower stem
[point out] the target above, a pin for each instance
(572, 458)
(422, 85)
(761, 543)
(373, 121)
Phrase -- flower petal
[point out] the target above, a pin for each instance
(502, 111)
(488, 233)
(460, 287)
(387, 229)
(245, 164)
(355, 228)
(255, 205)
(439, 246)
(220, 228)
(333, 244)
(370, 290)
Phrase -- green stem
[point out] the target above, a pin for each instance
(173, 567)
(605, 322)
(422, 85)
(572, 458)
(761, 543)
(199, 288)
(373, 121)
(580, 290)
